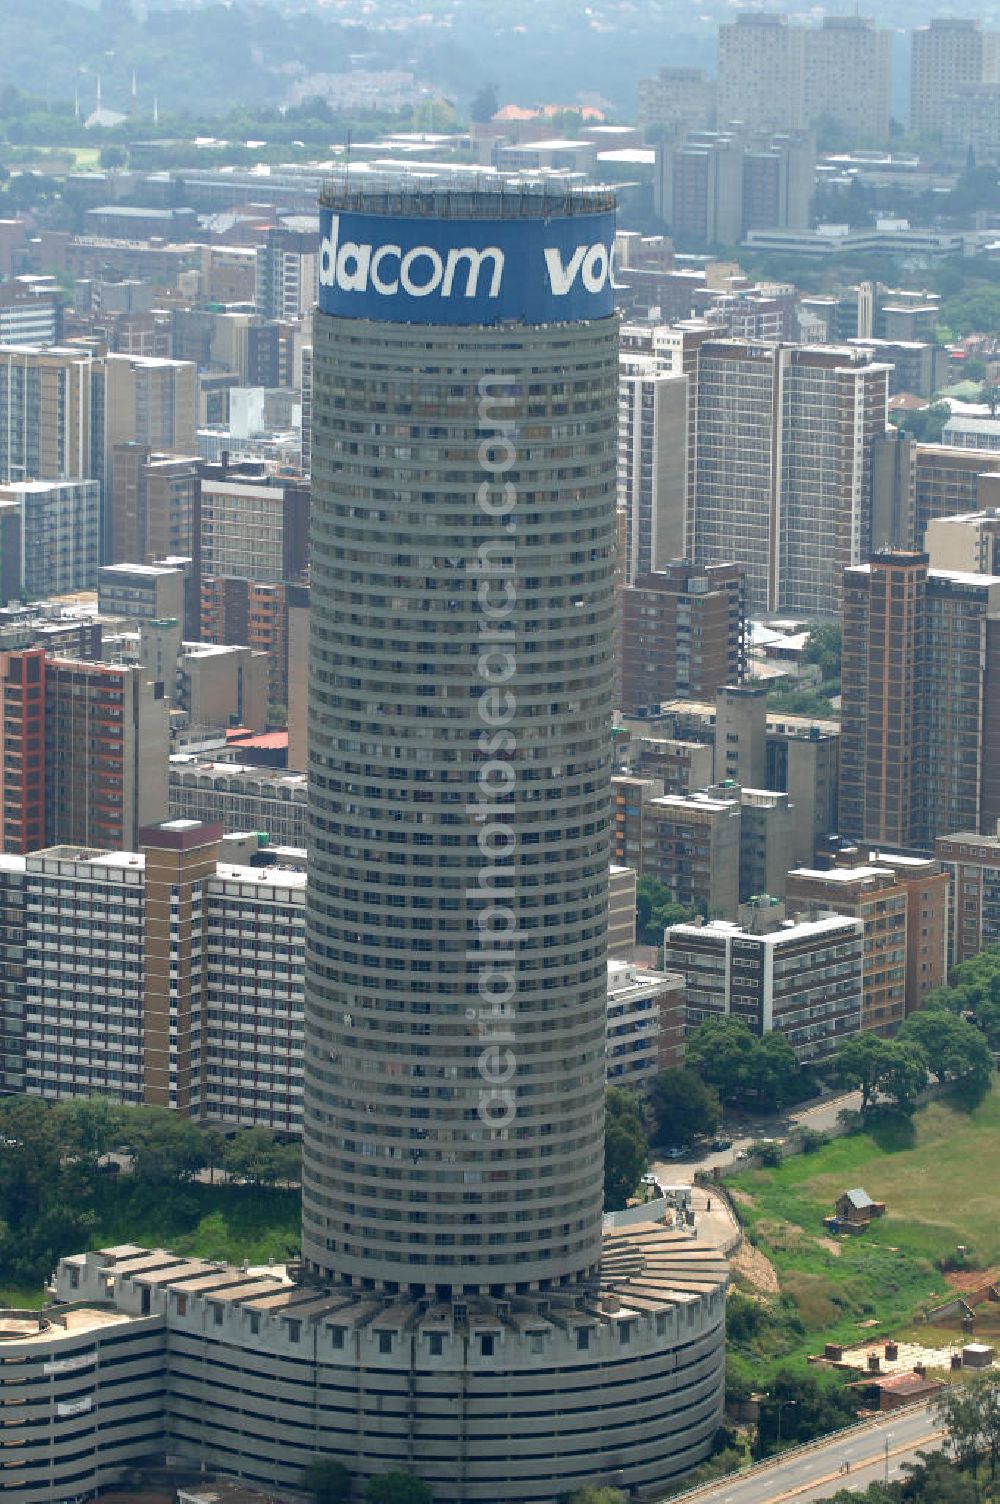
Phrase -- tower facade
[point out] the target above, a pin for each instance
(460, 694)
(948, 56)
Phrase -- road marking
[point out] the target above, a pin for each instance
(861, 1462)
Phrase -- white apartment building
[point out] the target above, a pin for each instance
(802, 979)
(652, 462)
(633, 1024)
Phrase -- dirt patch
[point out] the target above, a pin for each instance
(831, 1245)
(964, 1280)
(756, 1269)
(742, 1198)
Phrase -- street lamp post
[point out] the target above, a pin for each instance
(888, 1438)
(781, 1405)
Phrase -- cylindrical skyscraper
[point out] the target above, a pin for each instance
(464, 475)
(464, 458)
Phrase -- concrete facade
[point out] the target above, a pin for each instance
(247, 1369)
(801, 979)
(239, 797)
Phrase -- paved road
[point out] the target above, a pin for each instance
(817, 1473)
(821, 1116)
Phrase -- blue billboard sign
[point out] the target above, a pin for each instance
(420, 270)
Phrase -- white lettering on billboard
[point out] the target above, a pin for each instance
(355, 266)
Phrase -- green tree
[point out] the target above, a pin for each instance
(625, 1150)
(773, 1072)
(926, 425)
(960, 1412)
(971, 1416)
(823, 647)
(95, 1126)
(327, 1480)
(975, 993)
(808, 1406)
(905, 1074)
(933, 1480)
(655, 909)
(397, 1488)
(30, 1157)
(682, 1106)
(485, 103)
(954, 1049)
(861, 1062)
(257, 1157)
(167, 1149)
(721, 1050)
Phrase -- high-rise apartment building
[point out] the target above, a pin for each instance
(968, 542)
(141, 592)
(848, 77)
(684, 632)
(972, 862)
(762, 73)
(157, 504)
(306, 392)
(148, 401)
(653, 430)
(235, 611)
(54, 404)
(30, 312)
(692, 845)
(253, 526)
(58, 534)
(713, 187)
(297, 696)
(106, 748)
(22, 745)
(872, 895)
(920, 731)
(700, 188)
(779, 180)
(916, 484)
(164, 975)
(463, 440)
(222, 685)
(785, 457)
(882, 692)
(678, 97)
(87, 746)
(288, 271)
(948, 56)
(778, 76)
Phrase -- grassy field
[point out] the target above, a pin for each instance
(938, 1179)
